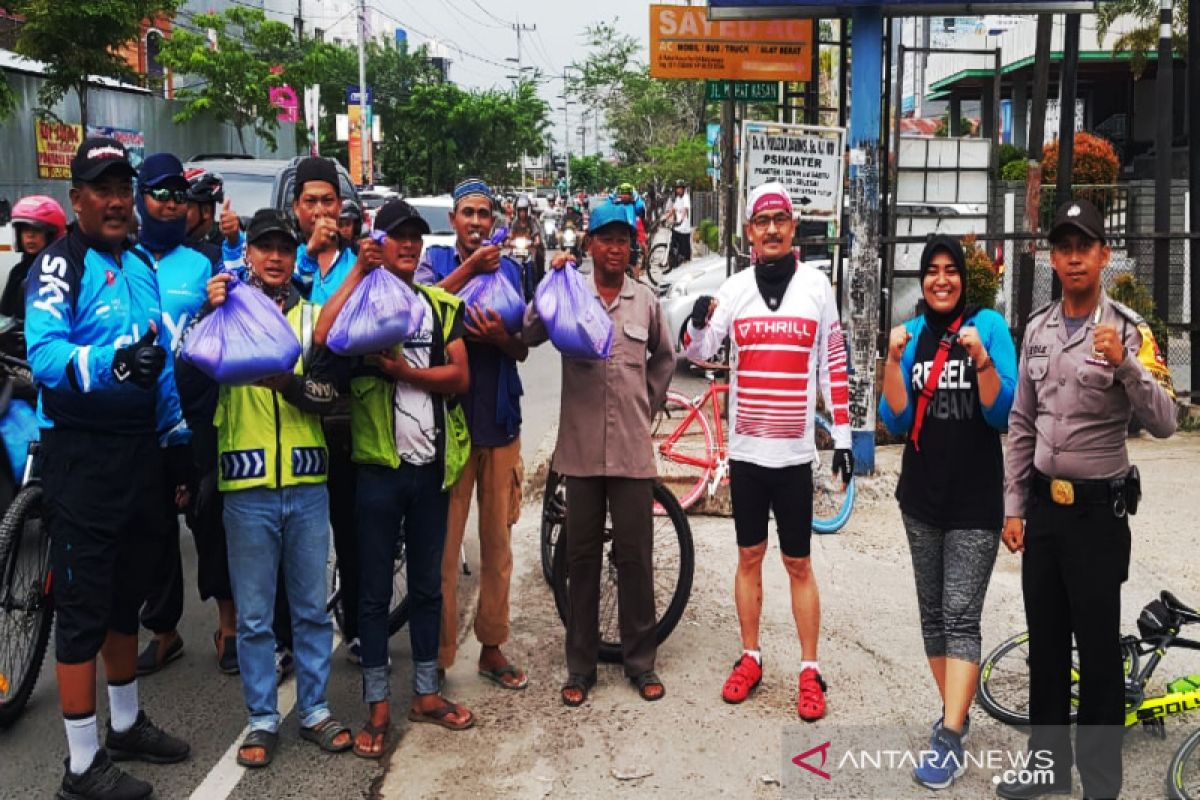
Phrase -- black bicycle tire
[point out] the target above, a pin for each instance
(397, 617)
(985, 697)
(10, 526)
(648, 267)
(610, 652)
(551, 517)
(1189, 750)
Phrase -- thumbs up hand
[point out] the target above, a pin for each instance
(141, 362)
(230, 224)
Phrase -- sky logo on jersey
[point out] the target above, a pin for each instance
(52, 285)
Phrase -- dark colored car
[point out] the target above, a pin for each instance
(254, 183)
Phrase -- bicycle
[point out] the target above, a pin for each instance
(1004, 684)
(693, 455)
(674, 566)
(397, 611)
(26, 603)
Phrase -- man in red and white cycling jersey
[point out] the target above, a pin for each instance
(786, 340)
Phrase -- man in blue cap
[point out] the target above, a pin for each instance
(493, 407)
(606, 454)
(183, 270)
(113, 438)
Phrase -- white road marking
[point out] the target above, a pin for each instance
(225, 775)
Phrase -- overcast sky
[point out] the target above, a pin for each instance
(475, 37)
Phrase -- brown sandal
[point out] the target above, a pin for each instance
(438, 716)
(378, 734)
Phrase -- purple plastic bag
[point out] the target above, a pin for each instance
(492, 291)
(244, 340)
(578, 325)
(380, 313)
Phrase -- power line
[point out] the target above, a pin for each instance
(467, 16)
(441, 40)
(503, 22)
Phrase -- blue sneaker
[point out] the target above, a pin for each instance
(966, 731)
(943, 763)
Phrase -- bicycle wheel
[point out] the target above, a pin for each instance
(674, 566)
(833, 501)
(554, 516)
(397, 611)
(1004, 681)
(26, 606)
(683, 448)
(1183, 774)
(656, 263)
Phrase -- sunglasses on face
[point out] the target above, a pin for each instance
(163, 195)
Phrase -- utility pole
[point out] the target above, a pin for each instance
(1164, 116)
(1193, 85)
(566, 131)
(300, 21)
(519, 29)
(364, 110)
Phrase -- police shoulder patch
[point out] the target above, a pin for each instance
(1152, 359)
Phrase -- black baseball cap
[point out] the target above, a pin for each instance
(97, 155)
(270, 220)
(1079, 215)
(316, 168)
(395, 213)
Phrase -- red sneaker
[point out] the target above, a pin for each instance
(745, 678)
(811, 702)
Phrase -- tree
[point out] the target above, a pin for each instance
(1142, 40)
(78, 41)
(252, 55)
(642, 112)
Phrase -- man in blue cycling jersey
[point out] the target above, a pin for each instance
(113, 443)
(183, 269)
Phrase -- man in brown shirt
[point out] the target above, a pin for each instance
(604, 451)
(1087, 364)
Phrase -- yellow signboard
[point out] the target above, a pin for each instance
(684, 43)
(56, 143)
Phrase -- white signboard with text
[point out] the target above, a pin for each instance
(807, 159)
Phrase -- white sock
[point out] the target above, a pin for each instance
(755, 654)
(83, 742)
(123, 705)
(806, 664)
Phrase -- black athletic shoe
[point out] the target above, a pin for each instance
(103, 780)
(145, 742)
(1027, 790)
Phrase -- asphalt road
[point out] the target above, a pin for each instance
(193, 700)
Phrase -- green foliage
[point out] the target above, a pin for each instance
(1141, 41)
(943, 128)
(982, 280)
(1010, 153)
(80, 39)
(235, 79)
(1015, 170)
(1126, 290)
(8, 100)
(648, 118)
(593, 174)
(709, 232)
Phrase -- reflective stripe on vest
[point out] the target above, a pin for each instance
(265, 441)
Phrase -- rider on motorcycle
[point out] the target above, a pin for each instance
(627, 199)
(37, 221)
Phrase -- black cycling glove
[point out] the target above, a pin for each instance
(843, 463)
(141, 362)
(700, 311)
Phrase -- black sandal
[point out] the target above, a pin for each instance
(324, 732)
(267, 740)
(647, 680)
(579, 683)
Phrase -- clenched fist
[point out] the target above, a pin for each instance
(969, 339)
(1107, 342)
(897, 340)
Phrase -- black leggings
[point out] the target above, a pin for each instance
(757, 491)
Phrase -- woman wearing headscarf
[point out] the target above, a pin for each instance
(948, 384)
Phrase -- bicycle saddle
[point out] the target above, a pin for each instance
(1175, 605)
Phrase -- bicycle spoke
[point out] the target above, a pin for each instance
(23, 605)
(686, 465)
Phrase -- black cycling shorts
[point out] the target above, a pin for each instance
(756, 491)
(103, 502)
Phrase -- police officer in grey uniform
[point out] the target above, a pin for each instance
(1087, 364)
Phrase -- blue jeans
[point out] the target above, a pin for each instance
(267, 528)
(409, 502)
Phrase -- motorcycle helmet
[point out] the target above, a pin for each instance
(204, 186)
(625, 188)
(524, 202)
(680, 184)
(41, 213)
(352, 211)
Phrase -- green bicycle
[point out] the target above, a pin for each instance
(1004, 684)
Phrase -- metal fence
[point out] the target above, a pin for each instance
(1028, 283)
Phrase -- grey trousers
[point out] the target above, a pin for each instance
(631, 503)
